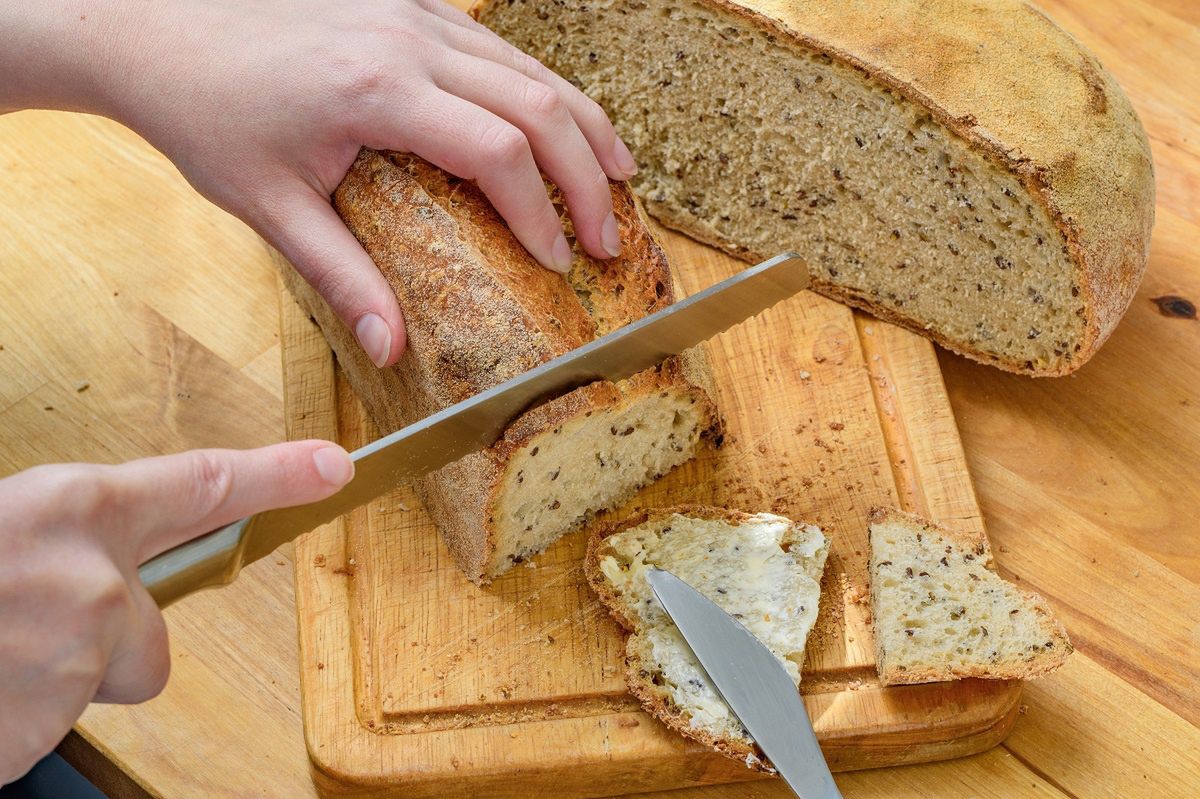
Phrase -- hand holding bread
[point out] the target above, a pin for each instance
(263, 107)
(79, 626)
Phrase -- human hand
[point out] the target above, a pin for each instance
(264, 105)
(78, 624)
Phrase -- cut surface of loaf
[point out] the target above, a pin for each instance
(479, 310)
(962, 167)
(763, 569)
(940, 611)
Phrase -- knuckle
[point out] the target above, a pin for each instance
(211, 480)
(598, 180)
(81, 491)
(523, 62)
(109, 594)
(89, 663)
(592, 112)
(362, 81)
(330, 284)
(542, 103)
(504, 144)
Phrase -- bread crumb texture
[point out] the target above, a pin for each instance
(940, 611)
(763, 569)
(963, 168)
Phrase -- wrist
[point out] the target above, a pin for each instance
(67, 55)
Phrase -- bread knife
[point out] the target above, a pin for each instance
(215, 558)
(752, 682)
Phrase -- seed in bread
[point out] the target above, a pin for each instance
(763, 569)
(940, 611)
(479, 310)
(961, 167)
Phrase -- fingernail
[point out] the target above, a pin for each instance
(624, 158)
(375, 338)
(610, 239)
(334, 465)
(562, 255)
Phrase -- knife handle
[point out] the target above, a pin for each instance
(212, 560)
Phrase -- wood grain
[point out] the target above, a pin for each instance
(89, 210)
(418, 683)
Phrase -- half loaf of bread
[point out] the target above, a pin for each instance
(964, 168)
(479, 310)
(940, 611)
(762, 569)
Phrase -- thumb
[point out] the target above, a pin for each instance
(311, 236)
(174, 498)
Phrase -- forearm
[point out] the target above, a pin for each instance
(69, 55)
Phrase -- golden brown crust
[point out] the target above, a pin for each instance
(978, 542)
(1019, 90)
(476, 320)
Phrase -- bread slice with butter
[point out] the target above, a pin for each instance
(941, 612)
(764, 570)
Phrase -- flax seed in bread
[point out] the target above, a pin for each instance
(940, 611)
(479, 310)
(961, 167)
(763, 569)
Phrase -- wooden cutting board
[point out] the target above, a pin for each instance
(415, 682)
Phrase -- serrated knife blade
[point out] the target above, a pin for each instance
(216, 558)
(752, 682)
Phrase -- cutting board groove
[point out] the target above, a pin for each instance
(417, 683)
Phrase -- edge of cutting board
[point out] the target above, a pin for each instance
(927, 470)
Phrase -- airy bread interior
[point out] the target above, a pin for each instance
(563, 476)
(940, 612)
(763, 569)
(757, 144)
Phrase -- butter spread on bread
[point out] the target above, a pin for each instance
(763, 569)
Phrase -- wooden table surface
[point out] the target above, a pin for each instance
(136, 319)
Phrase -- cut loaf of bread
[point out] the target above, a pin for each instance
(964, 168)
(940, 611)
(763, 569)
(479, 310)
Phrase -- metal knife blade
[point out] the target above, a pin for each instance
(475, 423)
(752, 682)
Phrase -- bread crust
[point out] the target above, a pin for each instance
(476, 320)
(1040, 107)
(978, 542)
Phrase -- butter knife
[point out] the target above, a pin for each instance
(215, 558)
(752, 682)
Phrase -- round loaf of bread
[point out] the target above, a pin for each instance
(964, 168)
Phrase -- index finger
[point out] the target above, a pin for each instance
(168, 500)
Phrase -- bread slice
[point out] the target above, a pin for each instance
(964, 168)
(763, 569)
(940, 611)
(479, 311)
